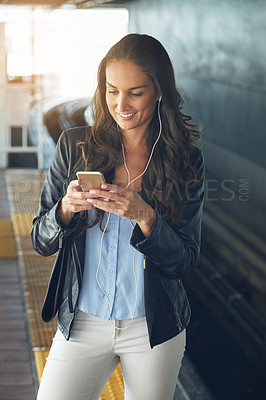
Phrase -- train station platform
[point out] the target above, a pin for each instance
(24, 338)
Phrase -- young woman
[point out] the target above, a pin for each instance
(124, 247)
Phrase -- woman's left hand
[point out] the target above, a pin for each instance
(126, 203)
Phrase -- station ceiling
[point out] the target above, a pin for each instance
(67, 3)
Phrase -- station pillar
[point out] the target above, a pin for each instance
(3, 82)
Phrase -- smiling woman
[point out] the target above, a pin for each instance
(127, 244)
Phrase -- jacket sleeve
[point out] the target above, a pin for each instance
(47, 227)
(176, 251)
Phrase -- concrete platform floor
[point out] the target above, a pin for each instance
(24, 338)
(18, 376)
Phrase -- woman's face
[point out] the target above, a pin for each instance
(130, 95)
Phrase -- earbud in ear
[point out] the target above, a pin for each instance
(160, 98)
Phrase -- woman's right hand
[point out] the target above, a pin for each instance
(74, 201)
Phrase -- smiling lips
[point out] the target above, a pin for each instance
(126, 116)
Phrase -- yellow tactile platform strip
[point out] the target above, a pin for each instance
(40, 359)
(24, 187)
(7, 242)
(22, 223)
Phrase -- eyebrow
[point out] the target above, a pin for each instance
(133, 88)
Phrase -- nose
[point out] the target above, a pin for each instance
(122, 102)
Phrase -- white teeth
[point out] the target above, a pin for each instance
(126, 115)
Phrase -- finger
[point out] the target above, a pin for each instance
(113, 194)
(76, 200)
(76, 196)
(77, 207)
(73, 187)
(102, 194)
(118, 208)
(104, 205)
(74, 184)
(113, 188)
(82, 195)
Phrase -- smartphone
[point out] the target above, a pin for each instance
(90, 180)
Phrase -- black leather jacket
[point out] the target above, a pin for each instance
(169, 253)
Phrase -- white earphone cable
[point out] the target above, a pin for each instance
(104, 231)
(102, 289)
(152, 150)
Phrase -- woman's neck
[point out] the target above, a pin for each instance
(134, 143)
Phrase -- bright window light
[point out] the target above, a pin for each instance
(66, 44)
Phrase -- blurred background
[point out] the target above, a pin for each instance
(49, 53)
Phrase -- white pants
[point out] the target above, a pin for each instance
(78, 369)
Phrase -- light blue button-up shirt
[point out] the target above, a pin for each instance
(115, 275)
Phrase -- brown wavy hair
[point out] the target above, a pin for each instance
(170, 169)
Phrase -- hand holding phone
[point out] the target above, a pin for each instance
(90, 180)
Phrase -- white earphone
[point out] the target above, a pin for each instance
(129, 182)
